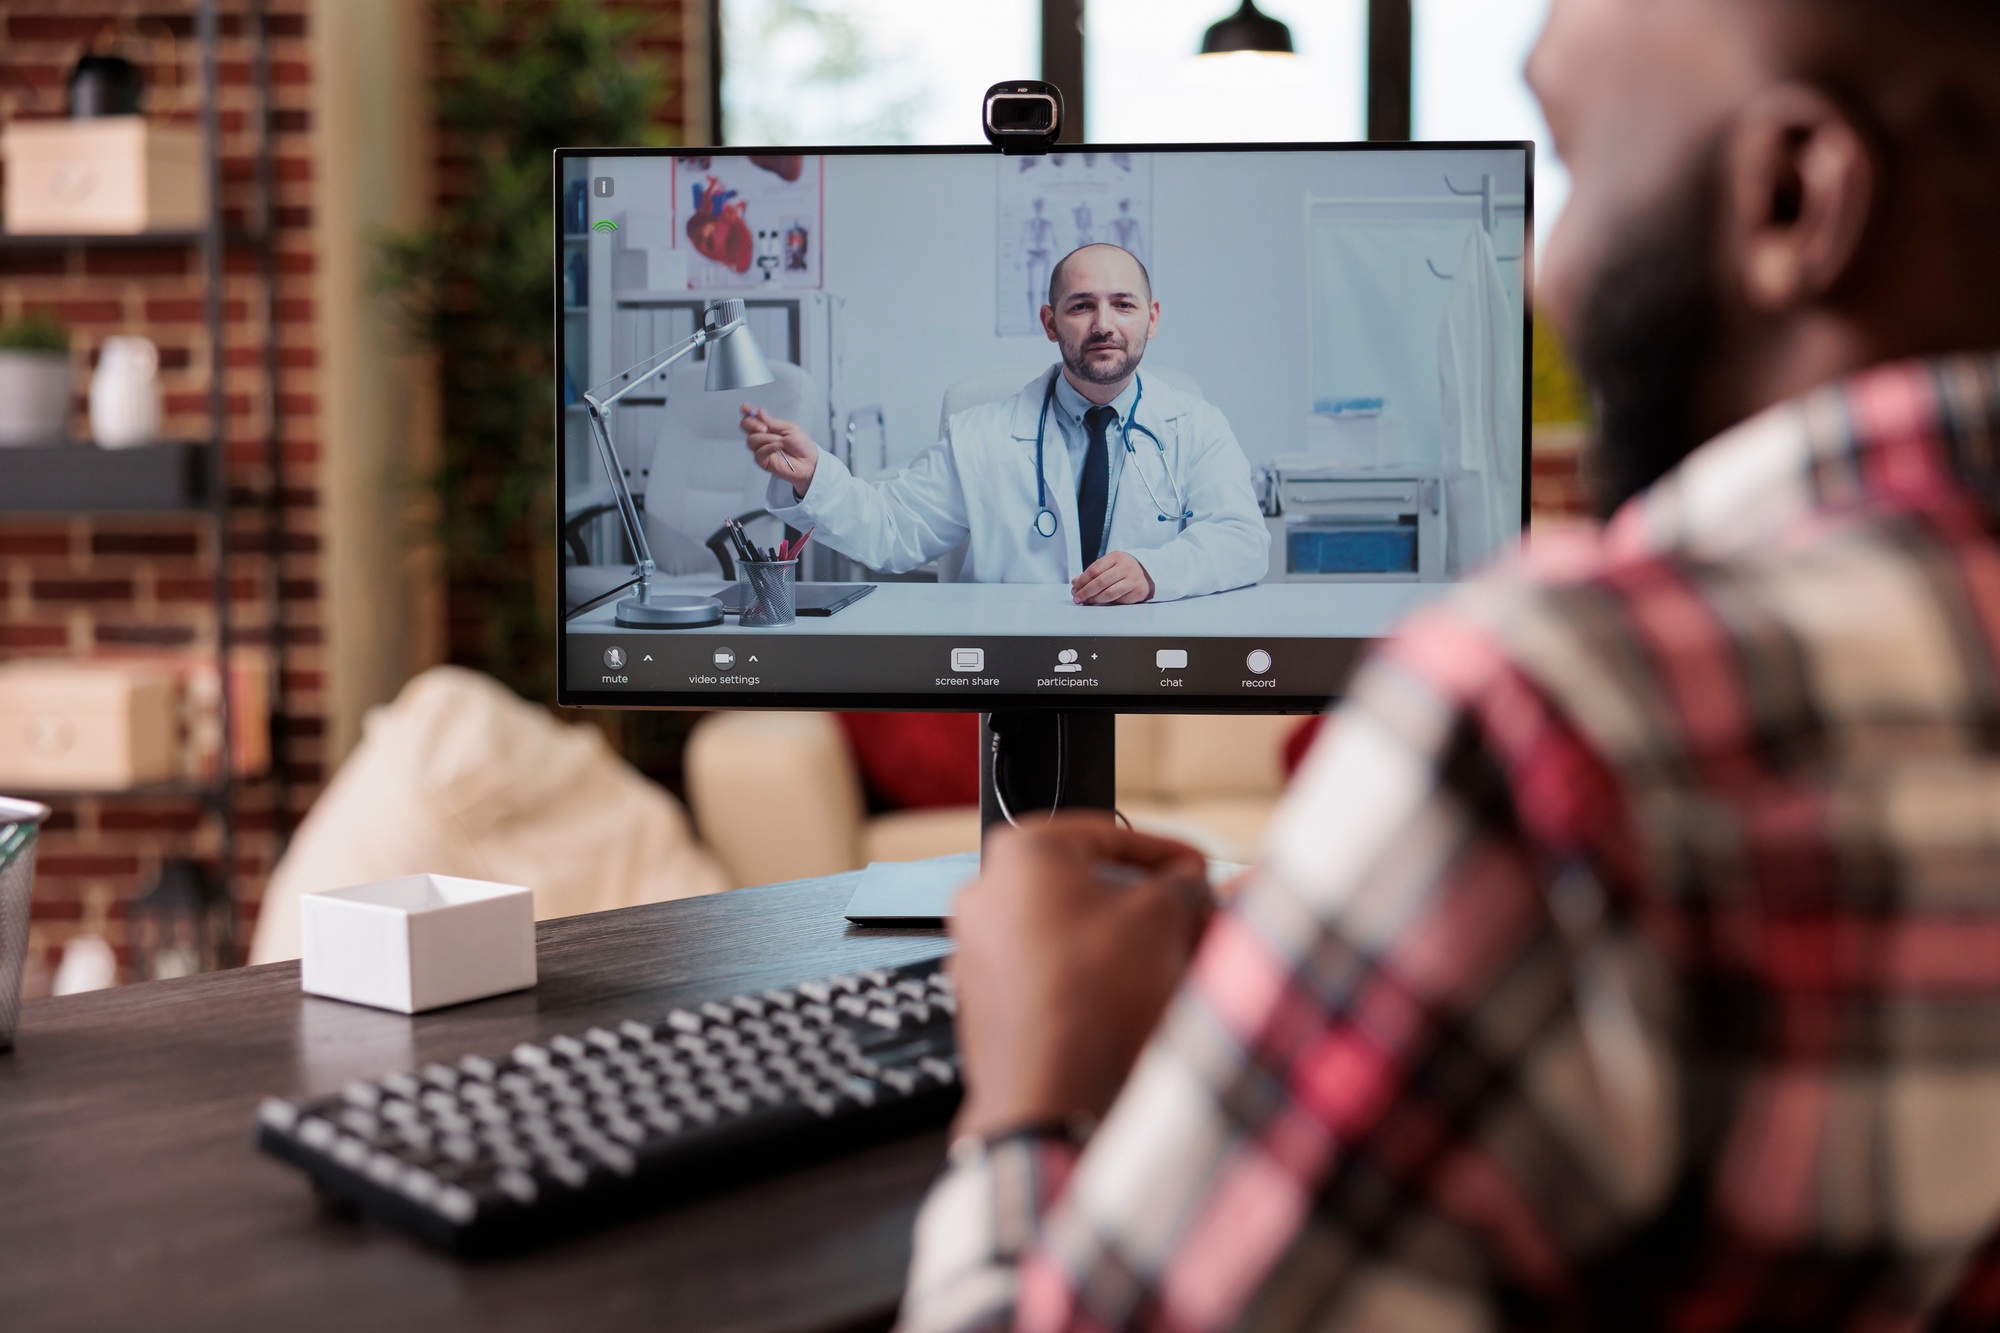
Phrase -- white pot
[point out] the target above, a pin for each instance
(125, 394)
(34, 398)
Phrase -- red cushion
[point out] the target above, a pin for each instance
(1299, 742)
(916, 761)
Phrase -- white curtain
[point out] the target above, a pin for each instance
(1479, 396)
(1376, 308)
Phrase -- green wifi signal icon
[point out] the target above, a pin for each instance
(604, 224)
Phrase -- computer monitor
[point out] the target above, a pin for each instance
(1314, 356)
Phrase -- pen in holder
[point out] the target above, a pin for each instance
(770, 591)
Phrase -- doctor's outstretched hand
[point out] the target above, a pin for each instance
(782, 448)
(1111, 580)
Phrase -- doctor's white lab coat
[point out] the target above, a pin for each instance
(977, 486)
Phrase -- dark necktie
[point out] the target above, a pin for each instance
(1093, 490)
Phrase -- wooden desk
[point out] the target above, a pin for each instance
(130, 1195)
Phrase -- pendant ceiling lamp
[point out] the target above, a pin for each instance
(1248, 29)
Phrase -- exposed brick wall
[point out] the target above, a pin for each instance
(80, 586)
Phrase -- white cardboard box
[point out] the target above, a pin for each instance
(114, 175)
(417, 943)
(74, 726)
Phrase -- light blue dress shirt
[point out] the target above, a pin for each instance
(1066, 414)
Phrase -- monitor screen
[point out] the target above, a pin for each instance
(1133, 428)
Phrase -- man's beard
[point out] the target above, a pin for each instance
(1645, 339)
(1077, 362)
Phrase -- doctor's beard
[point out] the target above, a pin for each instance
(1076, 360)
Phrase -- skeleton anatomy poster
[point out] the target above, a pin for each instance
(747, 222)
(1051, 205)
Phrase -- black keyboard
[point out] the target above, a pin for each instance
(501, 1152)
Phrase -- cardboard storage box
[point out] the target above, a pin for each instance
(71, 726)
(111, 176)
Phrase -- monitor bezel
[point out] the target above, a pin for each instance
(1218, 705)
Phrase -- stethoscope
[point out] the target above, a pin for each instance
(1045, 517)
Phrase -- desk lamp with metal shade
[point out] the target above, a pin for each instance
(734, 362)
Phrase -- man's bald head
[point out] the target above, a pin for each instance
(1103, 252)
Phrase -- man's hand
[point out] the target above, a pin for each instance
(1070, 943)
(1117, 577)
(781, 448)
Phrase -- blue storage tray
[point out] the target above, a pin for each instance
(1372, 550)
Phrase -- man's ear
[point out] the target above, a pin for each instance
(1049, 322)
(1153, 323)
(1799, 193)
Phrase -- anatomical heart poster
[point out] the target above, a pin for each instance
(1050, 205)
(749, 222)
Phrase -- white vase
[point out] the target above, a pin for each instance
(125, 394)
(34, 398)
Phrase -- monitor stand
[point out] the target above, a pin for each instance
(1034, 751)
(919, 893)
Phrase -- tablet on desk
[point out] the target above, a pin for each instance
(814, 599)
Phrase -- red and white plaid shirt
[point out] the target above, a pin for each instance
(1626, 955)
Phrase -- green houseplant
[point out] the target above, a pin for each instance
(35, 393)
(517, 79)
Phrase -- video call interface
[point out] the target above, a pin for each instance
(1189, 426)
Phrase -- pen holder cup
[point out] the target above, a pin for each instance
(19, 823)
(770, 592)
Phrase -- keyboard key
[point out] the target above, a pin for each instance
(680, 1020)
(567, 1170)
(568, 1047)
(418, 1184)
(457, 1203)
(517, 1184)
(478, 1067)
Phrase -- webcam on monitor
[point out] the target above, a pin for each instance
(1023, 116)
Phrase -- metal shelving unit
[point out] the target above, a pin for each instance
(191, 477)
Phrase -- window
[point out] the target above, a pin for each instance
(1146, 85)
(807, 72)
(1468, 84)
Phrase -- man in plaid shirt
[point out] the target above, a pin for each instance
(1627, 953)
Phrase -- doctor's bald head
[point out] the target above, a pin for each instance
(1101, 258)
(1101, 313)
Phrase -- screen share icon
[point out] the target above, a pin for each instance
(966, 661)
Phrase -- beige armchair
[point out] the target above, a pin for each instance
(777, 796)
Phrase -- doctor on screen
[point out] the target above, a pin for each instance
(1093, 474)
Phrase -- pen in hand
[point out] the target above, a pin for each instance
(758, 412)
